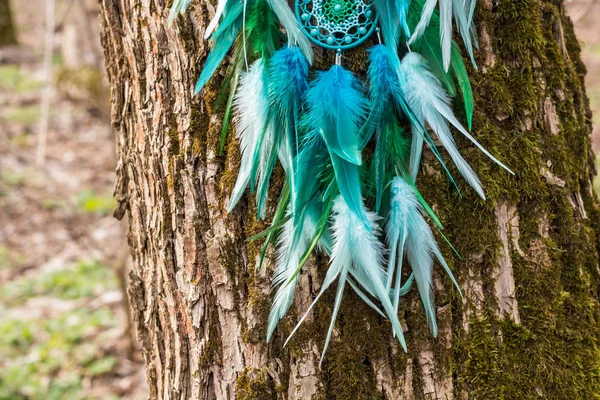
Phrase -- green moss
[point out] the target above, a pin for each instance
(173, 142)
(253, 384)
(213, 348)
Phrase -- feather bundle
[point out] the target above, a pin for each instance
(408, 233)
(428, 46)
(356, 253)
(318, 131)
(431, 104)
(285, 276)
(288, 81)
(387, 100)
(268, 103)
(462, 16)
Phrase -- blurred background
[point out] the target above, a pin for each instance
(65, 330)
(64, 323)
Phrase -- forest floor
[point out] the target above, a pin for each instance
(63, 321)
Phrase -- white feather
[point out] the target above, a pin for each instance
(416, 149)
(288, 260)
(407, 228)
(215, 20)
(426, 14)
(251, 107)
(431, 104)
(446, 31)
(357, 252)
(295, 35)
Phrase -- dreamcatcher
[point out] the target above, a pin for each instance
(317, 126)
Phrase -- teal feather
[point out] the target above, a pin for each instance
(223, 39)
(403, 7)
(335, 109)
(389, 15)
(288, 81)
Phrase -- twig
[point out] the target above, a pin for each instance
(48, 89)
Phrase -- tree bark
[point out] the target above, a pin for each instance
(527, 326)
(8, 34)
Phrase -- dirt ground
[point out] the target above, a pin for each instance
(63, 322)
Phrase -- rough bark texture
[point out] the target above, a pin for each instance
(527, 326)
(8, 35)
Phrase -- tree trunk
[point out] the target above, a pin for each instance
(527, 326)
(8, 35)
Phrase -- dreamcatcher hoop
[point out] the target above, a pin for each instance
(336, 24)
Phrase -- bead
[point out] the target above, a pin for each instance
(348, 39)
(362, 30)
(337, 8)
(305, 17)
(314, 32)
(330, 40)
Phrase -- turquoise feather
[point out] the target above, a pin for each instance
(335, 109)
(288, 81)
(392, 19)
(223, 39)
